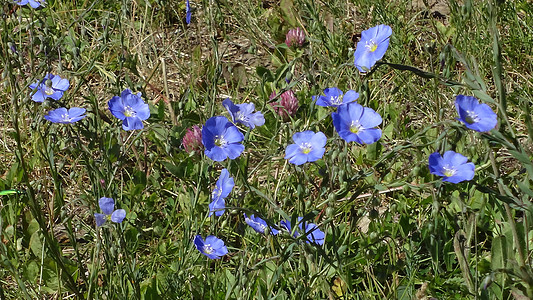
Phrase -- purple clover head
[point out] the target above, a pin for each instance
(243, 113)
(223, 187)
(308, 147)
(453, 167)
(192, 141)
(372, 47)
(295, 37)
(334, 97)
(287, 105)
(32, 3)
(52, 86)
(311, 231)
(64, 116)
(107, 205)
(355, 123)
(130, 108)
(476, 116)
(221, 139)
(259, 225)
(212, 247)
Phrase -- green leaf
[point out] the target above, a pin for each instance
(10, 192)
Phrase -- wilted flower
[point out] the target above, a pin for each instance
(192, 141)
(334, 97)
(259, 225)
(107, 205)
(452, 166)
(188, 13)
(212, 247)
(130, 108)
(295, 37)
(311, 231)
(223, 187)
(64, 116)
(32, 3)
(52, 86)
(242, 113)
(308, 147)
(287, 105)
(476, 116)
(354, 123)
(372, 47)
(221, 139)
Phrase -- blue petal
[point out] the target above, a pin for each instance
(298, 159)
(370, 118)
(369, 135)
(39, 96)
(315, 154)
(435, 164)
(132, 123)
(318, 140)
(116, 107)
(225, 183)
(107, 205)
(217, 207)
(350, 96)
(216, 153)
(118, 215)
(60, 84)
(56, 95)
(232, 134)
(292, 150)
(100, 219)
(234, 150)
(302, 137)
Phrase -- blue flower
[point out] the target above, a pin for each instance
(475, 116)
(372, 47)
(187, 12)
(130, 108)
(242, 113)
(221, 139)
(259, 225)
(33, 3)
(52, 86)
(222, 189)
(107, 205)
(311, 231)
(212, 247)
(334, 97)
(354, 123)
(308, 147)
(64, 116)
(452, 166)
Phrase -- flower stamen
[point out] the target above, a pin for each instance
(306, 148)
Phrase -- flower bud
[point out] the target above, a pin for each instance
(192, 141)
(287, 105)
(295, 37)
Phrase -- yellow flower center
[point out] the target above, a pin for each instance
(129, 112)
(371, 46)
(355, 127)
(220, 141)
(208, 249)
(49, 90)
(449, 171)
(306, 148)
(471, 117)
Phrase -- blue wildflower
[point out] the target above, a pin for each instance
(188, 13)
(311, 231)
(242, 113)
(130, 108)
(452, 166)
(52, 86)
(334, 97)
(223, 187)
(64, 116)
(221, 139)
(354, 123)
(212, 247)
(476, 116)
(32, 3)
(259, 225)
(308, 147)
(372, 47)
(107, 205)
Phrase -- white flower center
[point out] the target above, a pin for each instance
(306, 148)
(356, 127)
(208, 249)
(335, 100)
(129, 112)
(471, 117)
(449, 171)
(371, 45)
(66, 118)
(216, 193)
(240, 116)
(257, 224)
(49, 90)
(220, 141)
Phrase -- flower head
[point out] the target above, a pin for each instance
(295, 37)
(476, 116)
(221, 139)
(212, 247)
(452, 166)
(287, 106)
(354, 123)
(107, 205)
(372, 47)
(242, 113)
(334, 97)
(64, 116)
(223, 187)
(52, 86)
(259, 225)
(192, 141)
(130, 108)
(311, 231)
(32, 3)
(188, 13)
(308, 147)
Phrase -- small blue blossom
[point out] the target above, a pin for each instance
(221, 139)
(308, 147)
(32, 3)
(242, 113)
(107, 205)
(223, 187)
(476, 116)
(64, 116)
(372, 47)
(212, 247)
(188, 13)
(334, 97)
(130, 108)
(259, 225)
(452, 166)
(354, 123)
(52, 86)
(311, 231)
